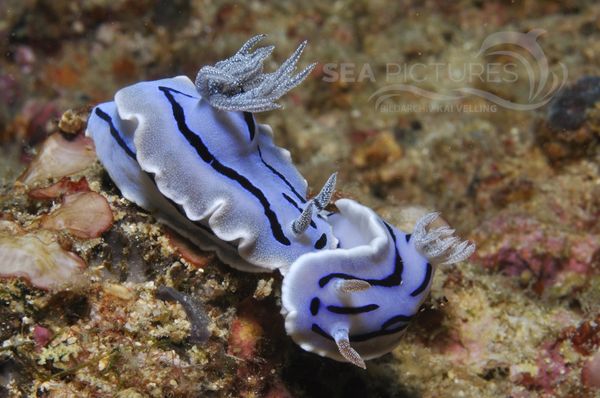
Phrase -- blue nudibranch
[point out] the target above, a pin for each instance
(194, 156)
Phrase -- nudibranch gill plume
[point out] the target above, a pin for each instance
(192, 154)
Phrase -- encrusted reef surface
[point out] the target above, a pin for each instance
(99, 300)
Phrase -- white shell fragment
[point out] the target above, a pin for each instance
(59, 157)
(38, 258)
(84, 214)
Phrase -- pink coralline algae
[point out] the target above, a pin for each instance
(539, 255)
(41, 336)
(552, 370)
(590, 374)
(555, 364)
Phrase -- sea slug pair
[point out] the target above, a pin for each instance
(194, 156)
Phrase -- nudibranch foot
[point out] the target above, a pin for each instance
(239, 84)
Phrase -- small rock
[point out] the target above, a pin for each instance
(264, 289)
(72, 122)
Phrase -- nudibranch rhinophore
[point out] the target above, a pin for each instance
(192, 154)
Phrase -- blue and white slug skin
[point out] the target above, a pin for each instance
(114, 147)
(352, 303)
(222, 170)
(219, 167)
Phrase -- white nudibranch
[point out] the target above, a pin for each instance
(194, 156)
(355, 300)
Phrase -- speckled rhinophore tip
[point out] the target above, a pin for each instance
(301, 224)
(438, 245)
(346, 350)
(323, 198)
(239, 84)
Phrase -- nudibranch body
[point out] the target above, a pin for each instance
(193, 155)
(218, 168)
(356, 300)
